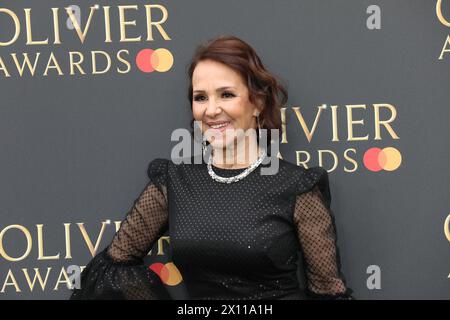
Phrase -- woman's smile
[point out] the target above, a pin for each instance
(220, 126)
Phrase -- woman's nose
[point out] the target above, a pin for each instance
(212, 108)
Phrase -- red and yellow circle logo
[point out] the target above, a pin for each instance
(168, 272)
(149, 60)
(376, 159)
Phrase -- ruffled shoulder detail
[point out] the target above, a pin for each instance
(311, 177)
(157, 171)
(104, 278)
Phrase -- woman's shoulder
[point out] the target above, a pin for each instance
(157, 170)
(304, 179)
(164, 167)
(304, 173)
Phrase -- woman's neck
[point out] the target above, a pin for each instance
(236, 158)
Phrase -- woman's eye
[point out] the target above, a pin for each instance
(198, 98)
(202, 97)
(228, 94)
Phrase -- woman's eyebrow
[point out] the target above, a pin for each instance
(218, 89)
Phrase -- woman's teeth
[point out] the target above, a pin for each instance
(217, 126)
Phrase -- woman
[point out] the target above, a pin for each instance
(235, 233)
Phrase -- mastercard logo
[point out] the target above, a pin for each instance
(376, 159)
(149, 60)
(168, 272)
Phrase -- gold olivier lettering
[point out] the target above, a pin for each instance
(123, 23)
(333, 154)
(68, 243)
(76, 63)
(334, 123)
(94, 62)
(56, 26)
(81, 33)
(351, 122)
(298, 156)
(117, 225)
(309, 134)
(27, 236)
(447, 228)
(30, 40)
(26, 60)
(355, 163)
(41, 255)
(92, 249)
(161, 244)
(66, 279)
(107, 24)
(13, 282)
(439, 14)
(283, 125)
(3, 68)
(303, 157)
(385, 123)
(157, 24)
(37, 276)
(16, 27)
(124, 61)
(445, 48)
(55, 65)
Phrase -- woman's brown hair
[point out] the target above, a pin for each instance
(241, 57)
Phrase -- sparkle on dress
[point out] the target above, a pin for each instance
(248, 240)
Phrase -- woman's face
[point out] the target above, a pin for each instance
(221, 96)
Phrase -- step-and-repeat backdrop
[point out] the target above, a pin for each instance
(91, 91)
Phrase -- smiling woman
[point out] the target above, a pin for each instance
(227, 74)
(235, 233)
(221, 103)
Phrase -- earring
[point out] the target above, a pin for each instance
(204, 144)
(259, 128)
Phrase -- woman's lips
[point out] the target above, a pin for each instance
(228, 126)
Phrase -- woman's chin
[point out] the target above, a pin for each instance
(222, 144)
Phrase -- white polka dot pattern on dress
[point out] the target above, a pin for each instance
(236, 241)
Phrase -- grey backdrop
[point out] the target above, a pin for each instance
(75, 148)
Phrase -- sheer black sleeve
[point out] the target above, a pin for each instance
(316, 231)
(118, 271)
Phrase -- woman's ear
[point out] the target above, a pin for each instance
(259, 108)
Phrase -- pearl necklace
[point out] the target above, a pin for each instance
(238, 177)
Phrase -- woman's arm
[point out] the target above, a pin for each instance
(142, 227)
(317, 237)
(118, 272)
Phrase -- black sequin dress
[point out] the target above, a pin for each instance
(241, 240)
